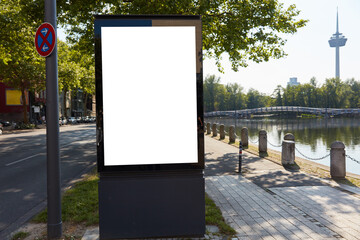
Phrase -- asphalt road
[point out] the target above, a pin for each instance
(23, 170)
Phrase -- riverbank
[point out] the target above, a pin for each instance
(304, 165)
(313, 136)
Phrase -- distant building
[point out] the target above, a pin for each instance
(77, 104)
(11, 107)
(293, 82)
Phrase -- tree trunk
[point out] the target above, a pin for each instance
(85, 104)
(64, 102)
(23, 99)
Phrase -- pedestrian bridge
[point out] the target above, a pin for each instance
(330, 112)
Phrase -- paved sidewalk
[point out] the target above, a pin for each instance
(269, 202)
(222, 159)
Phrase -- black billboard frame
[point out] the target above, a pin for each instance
(143, 20)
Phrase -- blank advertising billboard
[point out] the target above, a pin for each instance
(149, 92)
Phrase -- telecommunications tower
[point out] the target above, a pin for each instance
(337, 40)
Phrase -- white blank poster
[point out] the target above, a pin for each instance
(149, 95)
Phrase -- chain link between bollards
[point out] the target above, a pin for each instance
(353, 159)
(274, 145)
(314, 159)
(253, 141)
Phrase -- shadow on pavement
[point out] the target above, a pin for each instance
(260, 171)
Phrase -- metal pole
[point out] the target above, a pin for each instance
(235, 110)
(240, 156)
(54, 226)
(337, 67)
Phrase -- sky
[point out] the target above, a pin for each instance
(309, 53)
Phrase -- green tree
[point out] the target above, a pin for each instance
(255, 99)
(76, 72)
(300, 95)
(68, 72)
(313, 93)
(305, 95)
(221, 98)
(289, 96)
(250, 30)
(20, 65)
(354, 96)
(87, 78)
(278, 95)
(236, 98)
(211, 84)
(336, 93)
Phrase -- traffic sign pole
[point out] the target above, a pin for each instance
(54, 226)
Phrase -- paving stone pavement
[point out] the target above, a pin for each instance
(269, 202)
(257, 208)
(329, 207)
(308, 212)
(212, 233)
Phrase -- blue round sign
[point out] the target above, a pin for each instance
(45, 39)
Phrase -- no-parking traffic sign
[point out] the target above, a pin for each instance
(45, 39)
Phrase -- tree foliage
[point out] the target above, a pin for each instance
(354, 93)
(20, 66)
(334, 93)
(247, 30)
(211, 90)
(75, 72)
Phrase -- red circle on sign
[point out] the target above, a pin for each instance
(45, 39)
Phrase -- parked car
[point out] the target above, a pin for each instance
(88, 119)
(5, 123)
(79, 119)
(63, 121)
(72, 120)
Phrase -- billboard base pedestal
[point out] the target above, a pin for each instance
(154, 204)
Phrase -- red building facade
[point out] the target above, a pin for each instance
(11, 108)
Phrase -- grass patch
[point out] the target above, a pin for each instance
(79, 204)
(20, 235)
(25, 126)
(213, 216)
(303, 115)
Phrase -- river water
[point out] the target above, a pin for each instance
(313, 137)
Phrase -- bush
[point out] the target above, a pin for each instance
(22, 125)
